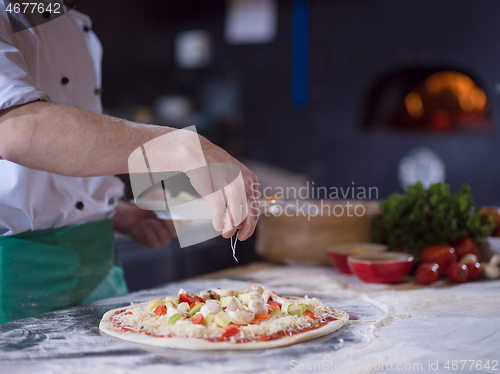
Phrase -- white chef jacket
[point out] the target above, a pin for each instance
(58, 61)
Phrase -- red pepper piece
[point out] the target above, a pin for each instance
(160, 310)
(262, 316)
(197, 318)
(184, 298)
(310, 314)
(230, 330)
(274, 305)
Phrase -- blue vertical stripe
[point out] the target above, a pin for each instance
(300, 54)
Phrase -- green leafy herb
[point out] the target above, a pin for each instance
(421, 217)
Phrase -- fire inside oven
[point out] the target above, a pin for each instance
(429, 100)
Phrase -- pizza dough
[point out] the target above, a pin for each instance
(147, 323)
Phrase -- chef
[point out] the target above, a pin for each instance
(59, 200)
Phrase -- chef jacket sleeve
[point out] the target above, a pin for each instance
(16, 84)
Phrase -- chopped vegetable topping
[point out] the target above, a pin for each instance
(262, 316)
(308, 313)
(195, 308)
(230, 330)
(174, 319)
(274, 305)
(160, 310)
(197, 319)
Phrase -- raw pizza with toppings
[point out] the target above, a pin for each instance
(224, 318)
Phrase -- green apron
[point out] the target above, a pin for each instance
(43, 271)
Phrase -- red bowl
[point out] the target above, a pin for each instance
(388, 267)
(338, 253)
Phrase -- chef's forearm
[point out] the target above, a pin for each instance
(70, 141)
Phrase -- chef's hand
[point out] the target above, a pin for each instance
(143, 226)
(226, 184)
(235, 201)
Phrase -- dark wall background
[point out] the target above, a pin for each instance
(353, 44)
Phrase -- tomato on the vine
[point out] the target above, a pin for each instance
(458, 273)
(474, 270)
(427, 273)
(465, 246)
(441, 254)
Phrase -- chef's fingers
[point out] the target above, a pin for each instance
(244, 212)
(235, 194)
(233, 212)
(218, 205)
(161, 232)
(202, 181)
(169, 226)
(229, 229)
(248, 226)
(149, 236)
(164, 231)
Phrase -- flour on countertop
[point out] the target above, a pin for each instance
(403, 323)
